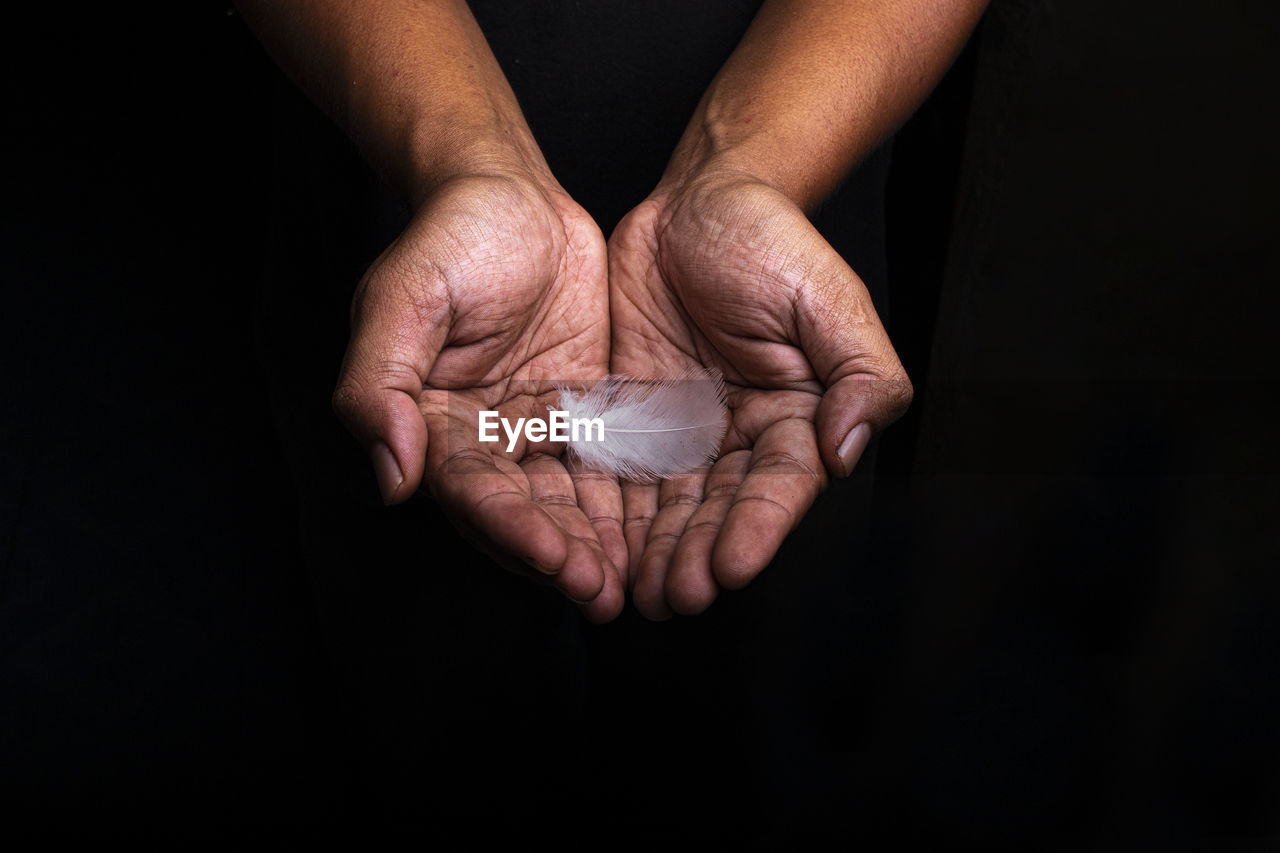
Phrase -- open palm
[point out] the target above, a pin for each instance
(494, 293)
(729, 273)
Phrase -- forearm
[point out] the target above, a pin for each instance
(413, 83)
(815, 85)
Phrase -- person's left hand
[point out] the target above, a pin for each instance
(723, 271)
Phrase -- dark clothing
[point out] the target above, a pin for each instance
(1096, 479)
(704, 703)
(1046, 621)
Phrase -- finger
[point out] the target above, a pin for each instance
(493, 495)
(678, 498)
(377, 404)
(867, 388)
(397, 331)
(606, 606)
(853, 410)
(784, 479)
(603, 608)
(586, 568)
(690, 586)
(600, 498)
(512, 564)
(639, 506)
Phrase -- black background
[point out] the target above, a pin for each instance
(1047, 621)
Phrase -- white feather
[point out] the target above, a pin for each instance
(652, 429)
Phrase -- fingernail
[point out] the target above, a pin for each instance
(387, 470)
(850, 450)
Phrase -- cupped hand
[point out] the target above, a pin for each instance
(495, 292)
(724, 271)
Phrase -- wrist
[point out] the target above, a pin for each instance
(716, 151)
(700, 167)
(438, 153)
(426, 102)
(703, 153)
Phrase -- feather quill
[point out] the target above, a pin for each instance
(652, 429)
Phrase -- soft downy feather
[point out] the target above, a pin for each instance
(652, 429)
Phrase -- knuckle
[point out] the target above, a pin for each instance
(764, 500)
(641, 521)
(788, 460)
(710, 526)
(686, 500)
(663, 537)
(345, 401)
(901, 394)
(555, 500)
(718, 491)
(360, 388)
(591, 475)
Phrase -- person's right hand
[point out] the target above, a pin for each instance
(496, 290)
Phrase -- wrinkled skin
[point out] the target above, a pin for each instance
(725, 272)
(496, 290)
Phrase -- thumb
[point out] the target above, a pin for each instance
(390, 352)
(853, 410)
(867, 388)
